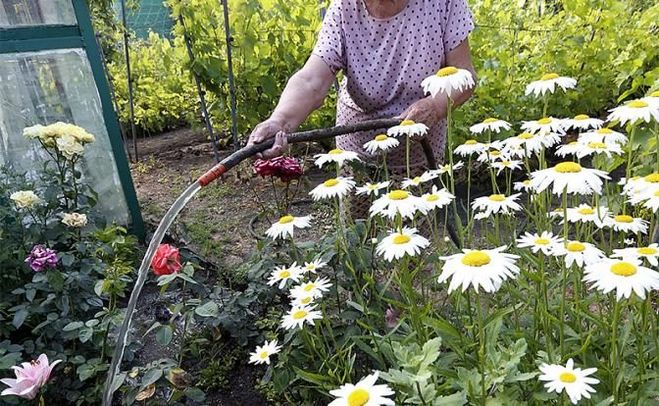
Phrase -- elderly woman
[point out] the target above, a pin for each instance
(384, 48)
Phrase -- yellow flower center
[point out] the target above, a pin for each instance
(623, 218)
(526, 182)
(407, 122)
(623, 269)
(371, 186)
(586, 211)
(471, 142)
(497, 198)
(432, 198)
(526, 136)
(567, 377)
(286, 219)
(597, 145)
(300, 314)
(306, 300)
(476, 258)
(495, 153)
(447, 71)
(655, 93)
(331, 182)
(605, 131)
(284, 274)
(336, 151)
(490, 120)
(656, 194)
(567, 167)
(358, 397)
(381, 137)
(398, 195)
(542, 241)
(550, 76)
(416, 180)
(647, 251)
(637, 104)
(401, 239)
(544, 121)
(575, 246)
(581, 117)
(309, 287)
(572, 143)
(264, 354)
(652, 178)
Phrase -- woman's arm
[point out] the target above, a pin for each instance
(430, 110)
(305, 92)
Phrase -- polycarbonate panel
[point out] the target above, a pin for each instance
(47, 87)
(22, 13)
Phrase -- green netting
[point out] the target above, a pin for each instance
(151, 15)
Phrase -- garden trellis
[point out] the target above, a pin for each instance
(51, 70)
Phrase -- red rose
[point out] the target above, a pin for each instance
(285, 168)
(166, 261)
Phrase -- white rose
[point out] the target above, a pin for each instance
(25, 199)
(74, 219)
(34, 132)
(69, 146)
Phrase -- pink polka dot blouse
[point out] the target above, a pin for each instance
(384, 61)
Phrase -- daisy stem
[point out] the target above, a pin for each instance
(481, 350)
(384, 166)
(565, 221)
(656, 144)
(545, 310)
(561, 313)
(613, 350)
(640, 345)
(628, 172)
(469, 196)
(407, 155)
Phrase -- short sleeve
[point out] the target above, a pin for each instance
(330, 45)
(459, 23)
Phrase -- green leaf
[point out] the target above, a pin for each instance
(208, 309)
(195, 394)
(151, 376)
(311, 377)
(85, 334)
(74, 325)
(164, 335)
(19, 318)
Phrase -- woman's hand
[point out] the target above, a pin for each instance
(428, 111)
(264, 131)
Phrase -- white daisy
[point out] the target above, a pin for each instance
(444, 169)
(548, 83)
(409, 128)
(263, 352)
(490, 124)
(381, 142)
(418, 180)
(575, 381)
(302, 299)
(524, 185)
(587, 214)
(633, 111)
(571, 148)
(337, 155)
(314, 265)
(297, 315)
(372, 188)
(650, 253)
(530, 142)
(641, 185)
(582, 122)
(479, 268)
(397, 202)
(448, 80)
(516, 151)
(652, 99)
(544, 242)
(470, 147)
(400, 243)
(283, 274)
(627, 224)
(334, 187)
(285, 226)
(495, 204)
(652, 202)
(365, 393)
(624, 276)
(315, 288)
(491, 155)
(577, 252)
(570, 176)
(606, 135)
(438, 198)
(506, 164)
(593, 147)
(544, 125)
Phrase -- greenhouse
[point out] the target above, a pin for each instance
(340, 202)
